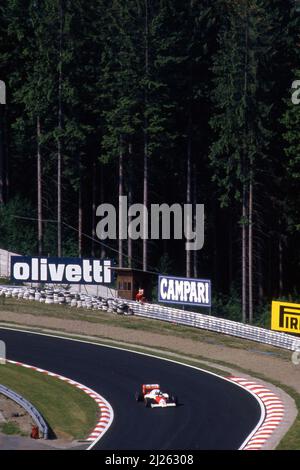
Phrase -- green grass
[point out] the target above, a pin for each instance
(5, 280)
(291, 441)
(69, 411)
(10, 428)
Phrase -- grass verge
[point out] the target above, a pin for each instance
(291, 441)
(70, 413)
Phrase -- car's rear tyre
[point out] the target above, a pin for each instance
(147, 402)
(138, 396)
(174, 399)
(171, 397)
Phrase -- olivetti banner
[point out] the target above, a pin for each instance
(61, 270)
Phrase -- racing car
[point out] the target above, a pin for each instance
(153, 397)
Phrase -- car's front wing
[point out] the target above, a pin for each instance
(157, 405)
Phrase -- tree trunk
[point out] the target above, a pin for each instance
(80, 210)
(244, 258)
(129, 246)
(146, 156)
(39, 187)
(215, 245)
(230, 252)
(188, 255)
(244, 173)
(59, 250)
(259, 276)
(188, 192)
(145, 202)
(271, 267)
(195, 252)
(2, 156)
(280, 254)
(250, 251)
(121, 192)
(94, 195)
(60, 125)
(6, 160)
(102, 192)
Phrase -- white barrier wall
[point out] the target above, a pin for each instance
(5, 262)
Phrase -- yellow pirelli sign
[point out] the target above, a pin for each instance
(285, 317)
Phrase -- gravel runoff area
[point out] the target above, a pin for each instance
(11, 412)
(26, 443)
(269, 364)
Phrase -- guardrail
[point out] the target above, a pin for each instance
(164, 313)
(34, 413)
(219, 325)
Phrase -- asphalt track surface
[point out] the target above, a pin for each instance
(213, 414)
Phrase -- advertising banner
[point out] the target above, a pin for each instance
(61, 270)
(181, 290)
(285, 317)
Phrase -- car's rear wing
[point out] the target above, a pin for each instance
(146, 388)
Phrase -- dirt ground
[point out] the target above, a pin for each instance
(11, 412)
(26, 443)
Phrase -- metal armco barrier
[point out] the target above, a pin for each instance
(168, 314)
(219, 325)
(36, 416)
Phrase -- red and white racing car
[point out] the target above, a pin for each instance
(153, 397)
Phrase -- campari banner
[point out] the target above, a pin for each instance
(181, 290)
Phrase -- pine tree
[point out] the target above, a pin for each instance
(241, 119)
(289, 203)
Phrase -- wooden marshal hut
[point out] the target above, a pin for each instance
(129, 281)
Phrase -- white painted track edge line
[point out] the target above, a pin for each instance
(262, 416)
(273, 412)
